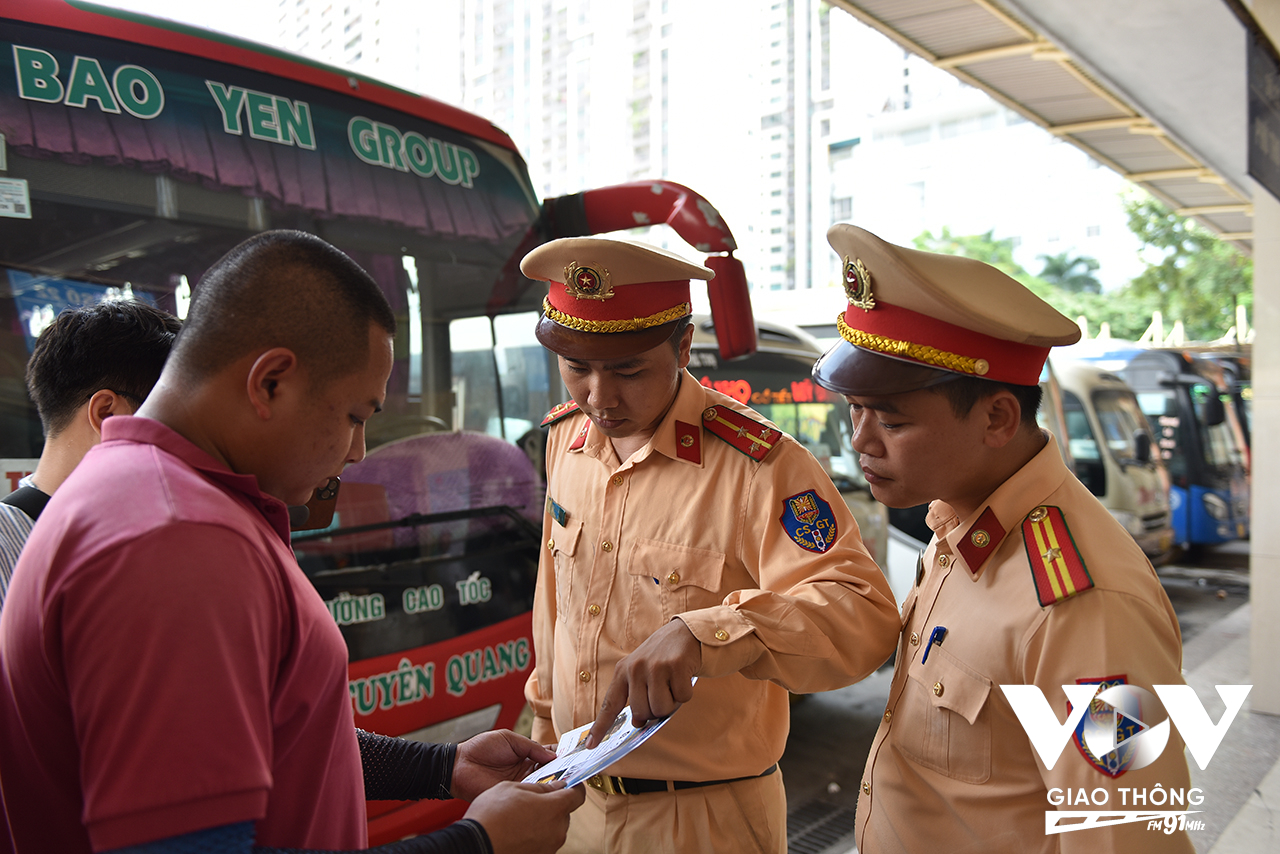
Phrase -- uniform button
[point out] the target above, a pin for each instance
(673, 578)
(551, 544)
(943, 560)
(915, 638)
(584, 676)
(866, 787)
(937, 689)
(607, 546)
(888, 715)
(594, 610)
(617, 480)
(722, 635)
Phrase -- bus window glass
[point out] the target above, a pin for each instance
(1120, 420)
(1085, 453)
(525, 369)
(1083, 444)
(475, 388)
(1161, 409)
(1220, 449)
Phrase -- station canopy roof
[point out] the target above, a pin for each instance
(1154, 89)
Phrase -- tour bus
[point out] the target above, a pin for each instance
(1199, 437)
(777, 382)
(135, 152)
(1113, 449)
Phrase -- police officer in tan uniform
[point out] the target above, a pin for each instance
(1028, 580)
(685, 536)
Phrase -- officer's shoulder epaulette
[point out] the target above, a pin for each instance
(561, 410)
(742, 432)
(1056, 564)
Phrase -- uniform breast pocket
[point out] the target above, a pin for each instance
(666, 580)
(945, 722)
(563, 545)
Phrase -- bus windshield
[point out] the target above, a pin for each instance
(1121, 421)
(129, 169)
(1220, 448)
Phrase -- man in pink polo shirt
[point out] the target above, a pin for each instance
(169, 679)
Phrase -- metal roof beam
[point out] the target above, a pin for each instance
(1134, 124)
(1210, 210)
(946, 63)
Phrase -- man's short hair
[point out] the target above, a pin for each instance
(677, 332)
(283, 289)
(119, 345)
(964, 393)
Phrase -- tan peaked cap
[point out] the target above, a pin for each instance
(609, 298)
(918, 318)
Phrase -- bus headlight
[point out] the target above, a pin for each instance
(1215, 507)
(1131, 522)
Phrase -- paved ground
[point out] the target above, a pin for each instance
(831, 733)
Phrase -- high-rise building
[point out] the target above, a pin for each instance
(403, 42)
(597, 92)
(788, 115)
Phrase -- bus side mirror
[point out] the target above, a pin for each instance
(1214, 412)
(731, 307)
(1141, 446)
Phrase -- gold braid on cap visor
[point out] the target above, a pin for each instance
(634, 324)
(919, 352)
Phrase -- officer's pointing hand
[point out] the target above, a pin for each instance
(654, 680)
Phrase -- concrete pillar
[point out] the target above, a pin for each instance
(1264, 549)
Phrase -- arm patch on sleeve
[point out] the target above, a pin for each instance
(809, 522)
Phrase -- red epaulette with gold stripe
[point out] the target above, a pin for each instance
(1056, 565)
(561, 410)
(745, 434)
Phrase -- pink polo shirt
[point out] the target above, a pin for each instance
(165, 666)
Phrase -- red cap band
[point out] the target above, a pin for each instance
(901, 332)
(630, 308)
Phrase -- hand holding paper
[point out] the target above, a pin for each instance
(654, 680)
(575, 762)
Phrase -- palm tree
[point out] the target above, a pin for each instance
(1071, 273)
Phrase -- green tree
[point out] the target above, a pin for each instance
(1072, 273)
(980, 247)
(1198, 279)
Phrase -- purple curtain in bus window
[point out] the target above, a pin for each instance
(16, 123)
(437, 210)
(51, 128)
(93, 136)
(287, 170)
(464, 221)
(264, 167)
(486, 226)
(366, 190)
(410, 195)
(342, 189)
(315, 190)
(440, 472)
(234, 168)
(386, 193)
(131, 137)
(166, 148)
